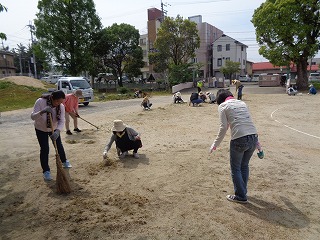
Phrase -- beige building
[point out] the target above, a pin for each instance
(143, 42)
(208, 34)
(6, 64)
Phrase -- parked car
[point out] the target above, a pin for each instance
(70, 84)
(243, 78)
(255, 78)
(314, 77)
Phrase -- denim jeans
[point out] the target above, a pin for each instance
(44, 149)
(241, 150)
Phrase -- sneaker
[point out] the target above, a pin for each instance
(47, 176)
(136, 155)
(69, 132)
(77, 130)
(122, 155)
(67, 164)
(234, 198)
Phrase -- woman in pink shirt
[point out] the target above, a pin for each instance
(71, 106)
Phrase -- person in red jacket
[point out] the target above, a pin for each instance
(71, 106)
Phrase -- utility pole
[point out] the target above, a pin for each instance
(163, 12)
(34, 56)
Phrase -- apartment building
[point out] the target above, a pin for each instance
(208, 34)
(226, 48)
(144, 44)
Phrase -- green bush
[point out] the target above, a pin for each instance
(123, 90)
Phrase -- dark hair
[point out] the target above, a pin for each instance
(222, 94)
(58, 94)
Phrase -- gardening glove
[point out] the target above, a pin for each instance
(104, 154)
(54, 136)
(212, 148)
(47, 109)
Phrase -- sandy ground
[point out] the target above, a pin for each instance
(175, 190)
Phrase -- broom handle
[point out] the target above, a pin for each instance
(88, 122)
(54, 142)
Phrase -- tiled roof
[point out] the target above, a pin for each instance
(269, 66)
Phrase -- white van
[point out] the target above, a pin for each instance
(53, 79)
(314, 77)
(70, 84)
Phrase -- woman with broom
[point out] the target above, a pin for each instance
(47, 108)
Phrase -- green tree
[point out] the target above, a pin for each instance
(288, 31)
(3, 35)
(65, 29)
(230, 68)
(176, 42)
(120, 51)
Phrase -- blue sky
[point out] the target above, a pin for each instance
(231, 16)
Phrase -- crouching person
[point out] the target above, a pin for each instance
(177, 98)
(126, 139)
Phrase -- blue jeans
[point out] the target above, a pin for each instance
(241, 150)
(44, 149)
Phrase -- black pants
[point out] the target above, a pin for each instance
(130, 145)
(44, 149)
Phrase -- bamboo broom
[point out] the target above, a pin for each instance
(62, 180)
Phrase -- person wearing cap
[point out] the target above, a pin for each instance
(312, 90)
(71, 107)
(126, 139)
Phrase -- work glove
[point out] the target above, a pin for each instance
(47, 109)
(77, 115)
(54, 136)
(104, 154)
(212, 148)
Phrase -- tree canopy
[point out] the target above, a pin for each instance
(65, 29)
(288, 31)
(3, 35)
(120, 51)
(230, 68)
(176, 42)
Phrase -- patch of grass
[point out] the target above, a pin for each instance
(15, 96)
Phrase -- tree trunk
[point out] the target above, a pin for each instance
(302, 80)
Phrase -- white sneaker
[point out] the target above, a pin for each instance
(67, 164)
(47, 176)
(122, 155)
(136, 155)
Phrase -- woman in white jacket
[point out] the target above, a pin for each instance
(244, 138)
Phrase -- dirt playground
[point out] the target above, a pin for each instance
(176, 190)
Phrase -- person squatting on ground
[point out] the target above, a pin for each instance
(211, 97)
(202, 96)
(195, 100)
(43, 106)
(71, 107)
(146, 103)
(244, 138)
(126, 139)
(177, 98)
(312, 90)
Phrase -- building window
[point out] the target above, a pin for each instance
(227, 47)
(241, 48)
(244, 62)
(219, 63)
(219, 48)
(227, 59)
